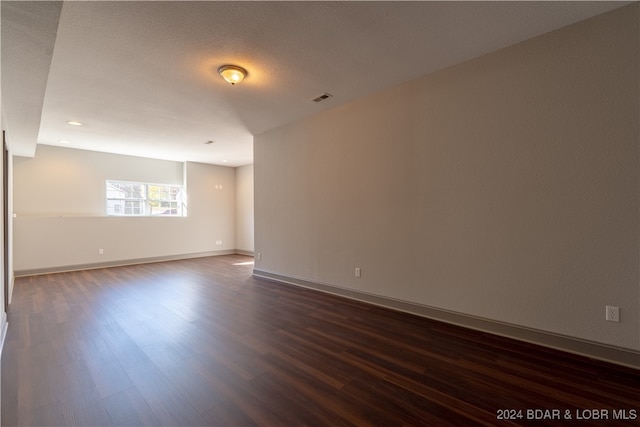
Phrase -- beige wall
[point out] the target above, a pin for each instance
(11, 219)
(70, 182)
(3, 314)
(64, 225)
(504, 188)
(244, 208)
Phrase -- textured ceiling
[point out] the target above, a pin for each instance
(142, 77)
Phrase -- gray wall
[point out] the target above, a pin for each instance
(59, 200)
(505, 188)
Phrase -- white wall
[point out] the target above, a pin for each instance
(504, 188)
(59, 200)
(244, 209)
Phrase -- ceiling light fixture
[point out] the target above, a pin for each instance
(63, 141)
(74, 123)
(232, 73)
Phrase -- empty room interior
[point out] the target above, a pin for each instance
(320, 213)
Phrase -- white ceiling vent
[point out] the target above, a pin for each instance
(322, 97)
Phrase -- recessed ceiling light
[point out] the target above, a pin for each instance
(63, 141)
(225, 161)
(74, 123)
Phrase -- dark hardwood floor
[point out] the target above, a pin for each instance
(202, 342)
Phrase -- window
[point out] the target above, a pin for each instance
(142, 199)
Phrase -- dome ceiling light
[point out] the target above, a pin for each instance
(232, 73)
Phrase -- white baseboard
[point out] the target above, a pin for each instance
(620, 356)
(119, 263)
(244, 252)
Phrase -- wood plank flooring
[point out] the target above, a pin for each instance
(203, 343)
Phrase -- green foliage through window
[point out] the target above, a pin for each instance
(143, 199)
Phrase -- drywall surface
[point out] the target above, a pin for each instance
(69, 182)
(504, 188)
(10, 224)
(59, 200)
(212, 205)
(244, 208)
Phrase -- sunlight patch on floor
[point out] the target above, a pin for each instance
(244, 263)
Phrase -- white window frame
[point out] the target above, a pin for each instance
(172, 208)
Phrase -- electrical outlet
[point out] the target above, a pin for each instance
(218, 242)
(259, 256)
(100, 251)
(612, 314)
(358, 272)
